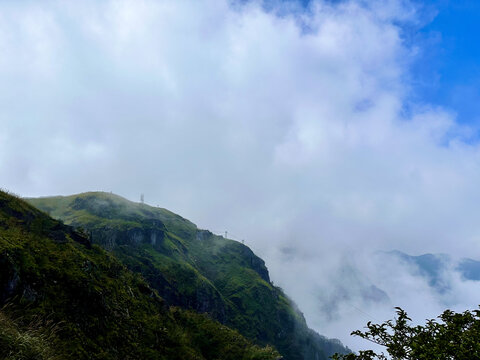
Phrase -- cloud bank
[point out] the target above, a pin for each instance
(293, 128)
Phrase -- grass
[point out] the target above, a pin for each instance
(193, 269)
(50, 271)
(35, 341)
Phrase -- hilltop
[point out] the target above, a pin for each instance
(62, 297)
(193, 269)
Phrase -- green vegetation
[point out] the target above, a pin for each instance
(194, 269)
(455, 337)
(32, 342)
(73, 300)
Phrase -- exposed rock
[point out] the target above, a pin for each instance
(203, 235)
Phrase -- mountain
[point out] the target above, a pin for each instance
(194, 269)
(62, 297)
(429, 266)
(469, 268)
(433, 267)
(349, 287)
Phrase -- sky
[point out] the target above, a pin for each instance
(449, 73)
(319, 132)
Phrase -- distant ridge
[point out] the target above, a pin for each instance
(432, 266)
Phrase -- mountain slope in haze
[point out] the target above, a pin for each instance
(469, 268)
(69, 299)
(194, 269)
(433, 267)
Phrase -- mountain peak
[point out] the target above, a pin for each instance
(194, 269)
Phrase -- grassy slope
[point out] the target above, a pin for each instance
(194, 268)
(50, 274)
(32, 342)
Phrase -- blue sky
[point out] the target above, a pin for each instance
(448, 73)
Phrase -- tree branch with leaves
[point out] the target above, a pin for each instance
(452, 336)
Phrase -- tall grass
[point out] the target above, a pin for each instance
(34, 341)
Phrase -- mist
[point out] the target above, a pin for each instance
(296, 130)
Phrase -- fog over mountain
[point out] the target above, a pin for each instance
(295, 129)
(356, 288)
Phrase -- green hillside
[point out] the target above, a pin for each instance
(69, 299)
(194, 269)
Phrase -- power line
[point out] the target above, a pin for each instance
(364, 313)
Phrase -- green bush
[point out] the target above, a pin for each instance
(454, 336)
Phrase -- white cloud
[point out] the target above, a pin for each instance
(285, 127)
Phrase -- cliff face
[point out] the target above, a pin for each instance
(194, 269)
(51, 274)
